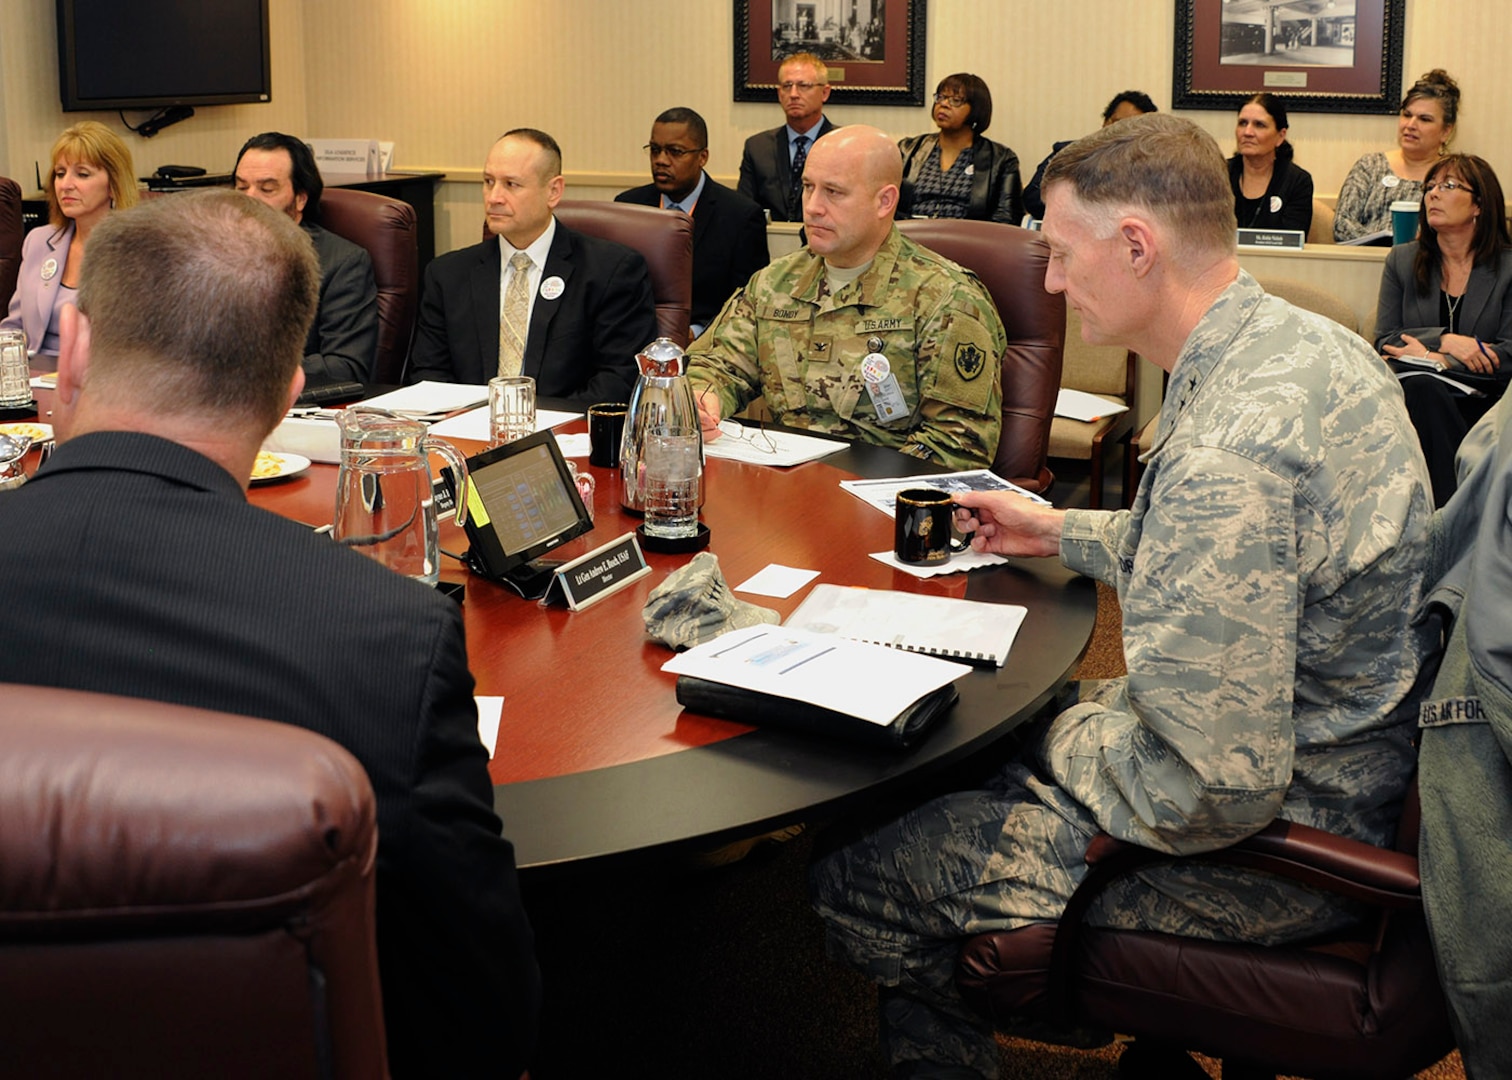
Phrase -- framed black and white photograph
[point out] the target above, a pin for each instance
(874, 49)
(1323, 55)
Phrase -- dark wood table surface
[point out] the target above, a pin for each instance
(595, 760)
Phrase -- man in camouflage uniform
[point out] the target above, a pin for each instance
(1466, 762)
(1267, 574)
(863, 333)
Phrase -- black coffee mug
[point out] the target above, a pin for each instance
(606, 427)
(922, 527)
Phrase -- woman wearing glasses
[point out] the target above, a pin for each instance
(1446, 303)
(957, 173)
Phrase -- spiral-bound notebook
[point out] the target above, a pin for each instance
(965, 630)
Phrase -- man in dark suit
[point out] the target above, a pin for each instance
(567, 309)
(729, 230)
(279, 171)
(771, 168)
(139, 568)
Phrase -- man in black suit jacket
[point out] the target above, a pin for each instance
(279, 170)
(136, 566)
(766, 167)
(729, 230)
(591, 307)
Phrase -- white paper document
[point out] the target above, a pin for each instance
(763, 446)
(957, 564)
(869, 682)
(490, 709)
(473, 424)
(428, 398)
(777, 580)
(1080, 405)
(884, 493)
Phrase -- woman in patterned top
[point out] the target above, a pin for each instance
(1424, 128)
(957, 173)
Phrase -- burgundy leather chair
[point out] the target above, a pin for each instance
(11, 232)
(1363, 1004)
(1011, 263)
(664, 239)
(386, 229)
(182, 893)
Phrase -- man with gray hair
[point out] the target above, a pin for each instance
(137, 567)
(1267, 575)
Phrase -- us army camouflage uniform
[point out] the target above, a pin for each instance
(1267, 574)
(783, 336)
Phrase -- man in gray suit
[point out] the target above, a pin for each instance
(771, 169)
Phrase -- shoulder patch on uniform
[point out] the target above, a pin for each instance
(969, 361)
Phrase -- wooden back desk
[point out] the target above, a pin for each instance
(595, 759)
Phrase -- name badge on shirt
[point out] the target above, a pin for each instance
(882, 387)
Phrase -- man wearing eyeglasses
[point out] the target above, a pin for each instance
(772, 167)
(729, 230)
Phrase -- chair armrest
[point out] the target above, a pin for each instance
(1324, 860)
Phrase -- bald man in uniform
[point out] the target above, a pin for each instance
(862, 333)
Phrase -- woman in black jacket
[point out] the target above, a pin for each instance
(957, 173)
(1270, 190)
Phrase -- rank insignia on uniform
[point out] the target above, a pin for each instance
(969, 360)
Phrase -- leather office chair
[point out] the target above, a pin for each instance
(386, 229)
(11, 232)
(665, 241)
(1358, 1005)
(182, 893)
(1108, 372)
(1011, 263)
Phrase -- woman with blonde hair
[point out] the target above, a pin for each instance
(91, 175)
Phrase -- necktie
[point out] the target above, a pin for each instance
(795, 190)
(515, 320)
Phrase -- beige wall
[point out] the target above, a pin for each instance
(441, 79)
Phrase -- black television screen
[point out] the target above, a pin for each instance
(148, 54)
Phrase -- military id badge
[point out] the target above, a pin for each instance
(882, 385)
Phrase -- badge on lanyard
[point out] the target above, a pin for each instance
(881, 384)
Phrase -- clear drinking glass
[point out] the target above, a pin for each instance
(673, 463)
(511, 408)
(15, 370)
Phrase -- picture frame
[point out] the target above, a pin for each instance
(876, 62)
(1342, 56)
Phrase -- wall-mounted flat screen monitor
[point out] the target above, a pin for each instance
(149, 54)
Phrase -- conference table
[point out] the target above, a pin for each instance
(595, 760)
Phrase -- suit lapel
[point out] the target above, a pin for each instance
(558, 264)
(704, 212)
(57, 251)
(483, 283)
(1477, 294)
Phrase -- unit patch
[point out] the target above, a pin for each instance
(969, 361)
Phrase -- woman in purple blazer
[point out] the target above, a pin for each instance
(91, 175)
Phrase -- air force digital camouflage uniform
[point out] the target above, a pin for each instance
(785, 337)
(1466, 763)
(1267, 573)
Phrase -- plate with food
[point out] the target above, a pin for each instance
(37, 433)
(270, 466)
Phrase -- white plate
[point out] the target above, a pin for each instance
(278, 466)
(37, 432)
